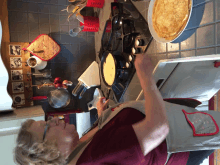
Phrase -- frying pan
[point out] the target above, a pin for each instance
(117, 85)
(58, 98)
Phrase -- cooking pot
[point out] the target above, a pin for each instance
(58, 98)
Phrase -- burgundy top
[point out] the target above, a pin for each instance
(116, 144)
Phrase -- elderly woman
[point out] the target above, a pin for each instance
(130, 133)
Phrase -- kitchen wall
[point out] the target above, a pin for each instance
(30, 18)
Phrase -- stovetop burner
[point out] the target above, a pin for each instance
(120, 42)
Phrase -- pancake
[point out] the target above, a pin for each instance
(109, 69)
(170, 17)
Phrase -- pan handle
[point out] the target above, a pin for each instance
(148, 45)
(102, 44)
(39, 98)
(82, 93)
(77, 88)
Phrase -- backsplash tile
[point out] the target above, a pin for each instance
(189, 43)
(17, 6)
(45, 28)
(43, 8)
(172, 47)
(54, 9)
(32, 36)
(33, 7)
(54, 28)
(208, 13)
(208, 51)
(14, 36)
(55, 2)
(18, 16)
(23, 37)
(63, 20)
(56, 37)
(21, 27)
(190, 53)
(34, 28)
(217, 6)
(161, 47)
(34, 18)
(173, 55)
(62, 2)
(208, 36)
(45, 17)
(67, 39)
(64, 29)
(54, 19)
(12, 26)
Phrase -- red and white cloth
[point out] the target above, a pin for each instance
(203, 124)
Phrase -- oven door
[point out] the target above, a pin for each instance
(196, 79)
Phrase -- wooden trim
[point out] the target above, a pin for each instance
(5, 34)
(5, 30)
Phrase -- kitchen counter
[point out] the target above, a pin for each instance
(204, 41)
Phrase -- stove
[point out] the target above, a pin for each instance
(127, 27)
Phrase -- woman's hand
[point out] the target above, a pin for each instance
(143, 65)
(101, 105)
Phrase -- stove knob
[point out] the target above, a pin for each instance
(139, 42)
(133, 50)
(130, 58)
(137, 51)
(128, 64)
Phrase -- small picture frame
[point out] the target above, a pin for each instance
(17, 87)
(16, 62)
(19, 99)
(17, 75)
(15, 50)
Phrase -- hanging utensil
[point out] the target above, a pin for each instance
(83, 91)
(46, 73)
(80, 18)
(44, 85)
(78, 88)
(70, 8)
(75, 31)
(74, 10)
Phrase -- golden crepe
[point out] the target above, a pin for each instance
(109, 69)
(170, 17)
